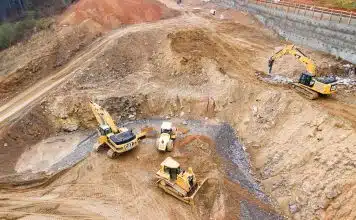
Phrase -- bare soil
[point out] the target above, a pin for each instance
(111, 14)
(46, 52)
(193, 66)
(131, 192)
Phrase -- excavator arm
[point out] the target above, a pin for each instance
(103, 117)
(293, 50)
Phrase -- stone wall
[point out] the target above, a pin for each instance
(326, 35)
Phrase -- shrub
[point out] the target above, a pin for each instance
(7, 35)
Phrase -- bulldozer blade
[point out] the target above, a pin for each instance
(187, 199)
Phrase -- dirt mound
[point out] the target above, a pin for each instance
(33, 127)
(45, 53)
(113, 13)
(196, 47)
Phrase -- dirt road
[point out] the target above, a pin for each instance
(13, 108)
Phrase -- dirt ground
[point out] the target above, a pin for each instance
(111, 14)
(192, 66)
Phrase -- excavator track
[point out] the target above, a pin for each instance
(304, 91)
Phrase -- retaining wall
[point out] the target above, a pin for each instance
(326, 35)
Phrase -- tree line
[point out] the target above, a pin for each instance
(15, 9)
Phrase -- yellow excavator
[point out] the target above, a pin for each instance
(177, 182)
(308, 85)
(119, 140)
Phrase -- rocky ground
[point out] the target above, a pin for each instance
(194, 66)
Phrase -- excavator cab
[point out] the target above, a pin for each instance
(104, 130)
(306, 79)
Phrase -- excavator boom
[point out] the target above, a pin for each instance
(293, 50)
(103, 117)
(308, 85)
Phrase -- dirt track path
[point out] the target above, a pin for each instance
(14, 107)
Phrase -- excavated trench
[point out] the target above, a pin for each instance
(220, 136)
(208, 137)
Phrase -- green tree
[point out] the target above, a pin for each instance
(7, 35)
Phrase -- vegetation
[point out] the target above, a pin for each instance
(13, 32)
(21, 18)
(348, 4)
(342, 4)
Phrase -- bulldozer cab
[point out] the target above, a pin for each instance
(306, 79)
(104, 130)
(173, 172)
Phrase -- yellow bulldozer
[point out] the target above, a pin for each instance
(177, 182)
(308, 85)
(119, 140)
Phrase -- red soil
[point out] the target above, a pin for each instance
(113, 13)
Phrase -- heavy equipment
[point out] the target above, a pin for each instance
(166, 138)
(177, 182)
(119, 140)
(309, 84)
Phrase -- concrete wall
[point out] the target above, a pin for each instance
(332, 37)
